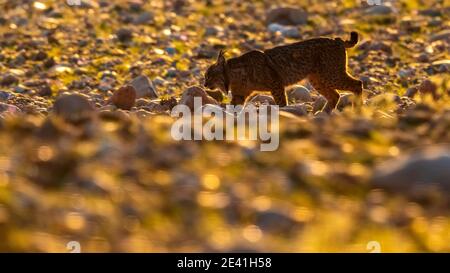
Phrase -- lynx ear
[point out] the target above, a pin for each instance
(221, 57)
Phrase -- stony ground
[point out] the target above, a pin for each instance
(86, 153)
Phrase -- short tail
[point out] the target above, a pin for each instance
(353, 40)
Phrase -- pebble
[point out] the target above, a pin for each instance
(8, 108)
(285, 31)
(441, 66)
(213, 31)
(428, 87)
(319, 103)
(405, 73)
(171, 72)
(124, 97)
(144, 87)
(4, 95)
(196, 91)
(73, 108)
(380, 10)
(411, 92)
(345, 100)
(45, 91)
(442, 35)
(124, 35)
(430, 12)
(287, 16)
(9, 79)
(299, 93)
(262, 99)
(143, 18)
(296, 109)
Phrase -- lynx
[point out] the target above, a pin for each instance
(323, 61)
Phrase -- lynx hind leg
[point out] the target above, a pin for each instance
(349, 83)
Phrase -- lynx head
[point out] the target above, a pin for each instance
(215, 74)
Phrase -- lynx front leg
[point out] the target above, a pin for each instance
(279, 95)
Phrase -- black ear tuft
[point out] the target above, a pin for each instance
(221, 57)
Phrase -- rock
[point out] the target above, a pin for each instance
(196, 91)
(286, 31)
(169, 103)
(124, 97)
(415, 172)
(124, 35)
(45, 91)
(4, 95)
(411, 92)
(262, 99)
(106, 83)
(319, 103)
(154, 107)
(135, 5)
(143, 18)
(8, 108)
(171, 72)
(380, 10)
(299, 93)
(296, 109)
(428, 87)
(441, 66)
(206, 53)
(108, 108)
(213, 31)
(287, 16)
(171, 51)
(345, 100)
(21, 89)
(430, 12)
(144, 87)
(442, 35)
(74, 108)
(40, 56)
(423, 58)
(406, 73)
(49, 62)
(277, 222)
(158, 81)
(380, 46)
(9, 79)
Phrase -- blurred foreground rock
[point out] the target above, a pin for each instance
(416, 173)
(73, 108)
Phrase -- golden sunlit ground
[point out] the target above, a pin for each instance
(116, 181)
